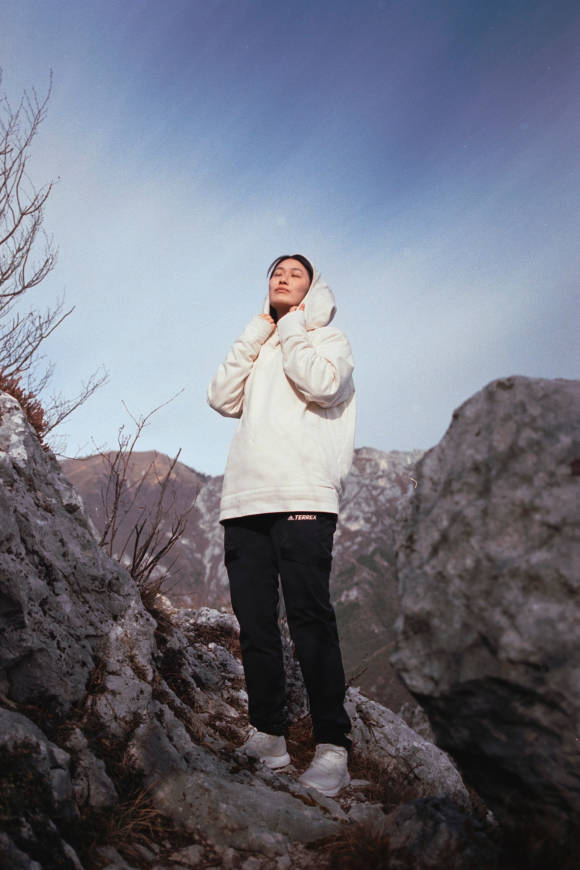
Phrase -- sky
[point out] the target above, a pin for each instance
(424, 154)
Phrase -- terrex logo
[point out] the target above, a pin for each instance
(302, 517)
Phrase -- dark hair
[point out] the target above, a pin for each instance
(301, 259)
(273, 266)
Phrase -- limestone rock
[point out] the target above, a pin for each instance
(33, 767)
(416, 718)
(59, 594)
(36, 795)
(409, 763)
(434, 833)
(13, 857)
(91, 784)
(247, 816)
(489, 577)
(112, 859)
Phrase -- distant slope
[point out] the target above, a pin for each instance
(197, 574)
(363, 584)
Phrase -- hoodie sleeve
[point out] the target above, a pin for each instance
(322, 373)
(225, 393)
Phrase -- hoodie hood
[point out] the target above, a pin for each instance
(319, 304)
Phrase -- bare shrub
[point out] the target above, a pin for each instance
(361, 846)
(144, 542)
(28, 402)
(129, 825)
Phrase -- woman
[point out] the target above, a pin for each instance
(289, 380)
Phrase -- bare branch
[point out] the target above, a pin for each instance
(60, 408)
(27, 256)
(21, 338)
(134, 531)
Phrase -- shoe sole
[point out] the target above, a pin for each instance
(276, 761)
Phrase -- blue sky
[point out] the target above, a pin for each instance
(423, 153)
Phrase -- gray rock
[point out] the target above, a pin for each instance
(416, 718)
(413, 766)
(91, 784)
(112, 860)
(218, 620)
(36, 796)
(12, 858)
(161, 744)
(35, 771)
(489, 575)
(370, 814)
(59, 594)
(190, 856)
(245, 816)
(430, 833)
(71, 857)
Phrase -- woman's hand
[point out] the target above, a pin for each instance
(268, 318)
(296, 308)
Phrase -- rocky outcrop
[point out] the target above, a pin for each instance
(434, 833)
(410, 764)
(60, 597)
(119, 728)
(489, 574)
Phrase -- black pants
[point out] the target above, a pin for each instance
(296, 547)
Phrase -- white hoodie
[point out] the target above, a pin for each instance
(291, 386)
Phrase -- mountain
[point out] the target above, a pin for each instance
(363, 583)
(364, 586)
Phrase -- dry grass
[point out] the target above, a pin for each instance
(391, 790)
(360, 847)
(96, 681)
(150, 588)
(300, 742)
(229, 731)
(227, 638)
(133, 823)
(28, 401)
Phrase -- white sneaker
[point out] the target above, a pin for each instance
(269, 748)
(328, 772)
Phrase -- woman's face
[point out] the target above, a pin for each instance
(289, 285)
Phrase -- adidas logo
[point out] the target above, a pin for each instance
(302, 517)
